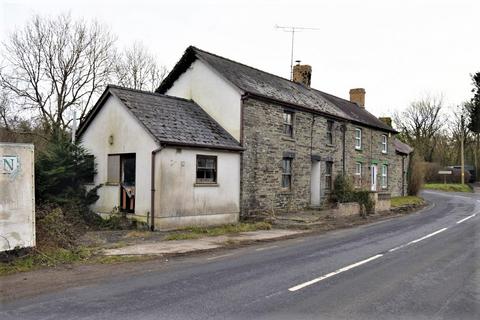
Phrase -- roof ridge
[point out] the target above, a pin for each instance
(114, 86)
(272, 74)
(246, 65)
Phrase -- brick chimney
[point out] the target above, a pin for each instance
(357, 95)
(302, 73)
(386, 120)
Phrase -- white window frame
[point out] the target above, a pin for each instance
(358, 139)
(384, 143)
(384, 176)
(358, 173)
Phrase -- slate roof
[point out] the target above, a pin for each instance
(402, 147)
(264, 84)
(170, 120)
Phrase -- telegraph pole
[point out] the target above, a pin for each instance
(292, 30)
(462, 155)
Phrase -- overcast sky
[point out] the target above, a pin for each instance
(397, 50)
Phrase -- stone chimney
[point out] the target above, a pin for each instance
(386, 120)
(357, 95)
(302, 73)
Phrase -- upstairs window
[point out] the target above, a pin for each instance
(287, 173)
(329, 132)
(206, 169)
(288, 123)
(328, 175)
(384, 176)
(384, 144)
(358, 138)
(358, 174)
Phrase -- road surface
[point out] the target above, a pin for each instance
(420, 266)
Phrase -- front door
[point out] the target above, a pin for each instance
(315, 182)
(127, 176)
(374, 177)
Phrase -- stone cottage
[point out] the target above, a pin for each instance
(296, 139)
(162, 159)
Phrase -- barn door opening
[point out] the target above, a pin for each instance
(127, 182)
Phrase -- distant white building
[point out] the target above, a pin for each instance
(162, 159)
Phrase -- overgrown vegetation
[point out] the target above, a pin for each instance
(198, 232)
(343, 191)
(448, 187)
(415, 175)
(405, 201)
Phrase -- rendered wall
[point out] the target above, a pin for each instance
(17, 196)
(128, 137)
(179, 201)
(214, 94)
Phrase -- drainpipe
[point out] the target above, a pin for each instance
(152, 195)
(344, 150)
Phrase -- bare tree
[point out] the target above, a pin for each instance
(4, 110)
(420, 123)
(137, 68)
(55, 66)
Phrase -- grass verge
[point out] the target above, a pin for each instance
(198, 232)
(36, 259)
(404, 201)
(449, 187)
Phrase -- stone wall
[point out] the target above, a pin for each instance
(266, 145)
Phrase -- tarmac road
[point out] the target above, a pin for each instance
(421, 266)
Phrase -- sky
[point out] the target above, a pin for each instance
(399, 51)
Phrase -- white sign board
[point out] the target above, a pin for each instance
(17, 196)
(445, 172)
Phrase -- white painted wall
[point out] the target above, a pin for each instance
(178, 202)
(129, 136)
(214, 94)
(17, 196)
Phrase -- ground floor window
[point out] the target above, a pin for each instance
(358, 174)
(328, 175)
(384, 176)
(206, 169)
(287, 173)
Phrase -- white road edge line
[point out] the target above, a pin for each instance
(221, 256)
(465, 219)
(266, 248)
(331, 274)
(427, 236)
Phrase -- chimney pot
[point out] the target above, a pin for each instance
(302, 73)
(357, 95)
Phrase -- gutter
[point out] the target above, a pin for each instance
(152, 195)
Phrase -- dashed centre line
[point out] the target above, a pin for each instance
(427, 236)
(331, 274)
(466, 218)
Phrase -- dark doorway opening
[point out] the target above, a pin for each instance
(127, 182)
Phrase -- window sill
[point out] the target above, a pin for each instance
(286, 192)
(358, 149)
(206, 185)
(112, 184)
(287, 138)
(384, 152)
(330, 145)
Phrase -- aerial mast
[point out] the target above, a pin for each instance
(292, 30)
